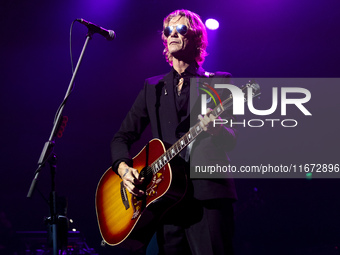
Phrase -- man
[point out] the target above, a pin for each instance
(203, 222)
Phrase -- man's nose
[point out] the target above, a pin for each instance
(174, 32)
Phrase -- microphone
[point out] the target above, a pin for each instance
(108, 34)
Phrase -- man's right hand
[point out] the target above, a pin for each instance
(130, 177)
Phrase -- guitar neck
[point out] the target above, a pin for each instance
(194, 131)
(176, 148)
(185, 140)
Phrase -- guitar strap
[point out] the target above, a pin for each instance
(158, 100)
(189, 147)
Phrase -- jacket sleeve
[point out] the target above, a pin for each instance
(130, 131)
(227, 137)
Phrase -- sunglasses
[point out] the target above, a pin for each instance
(181, 29)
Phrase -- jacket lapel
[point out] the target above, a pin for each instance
(167, 114)
(194, 104)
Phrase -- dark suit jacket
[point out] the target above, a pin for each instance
(155, 104)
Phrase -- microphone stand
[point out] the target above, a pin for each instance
(48, 156)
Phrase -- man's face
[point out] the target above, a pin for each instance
(180, 46)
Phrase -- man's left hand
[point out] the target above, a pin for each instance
(207, 123)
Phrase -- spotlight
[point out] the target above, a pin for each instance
(212, 24)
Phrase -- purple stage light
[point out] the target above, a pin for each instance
(212, 24)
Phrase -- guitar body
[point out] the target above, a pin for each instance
(130, 221)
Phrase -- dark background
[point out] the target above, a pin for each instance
(263, 38)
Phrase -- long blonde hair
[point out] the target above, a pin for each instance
(200, 34)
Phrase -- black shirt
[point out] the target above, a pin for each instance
(182, 98)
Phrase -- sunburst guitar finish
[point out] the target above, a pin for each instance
(128, 220)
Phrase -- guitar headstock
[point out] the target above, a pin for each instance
(239, 95)
(254, 87)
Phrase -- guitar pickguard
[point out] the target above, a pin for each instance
(138, 205)
(152, 188)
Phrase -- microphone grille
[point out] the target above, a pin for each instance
(111, 35)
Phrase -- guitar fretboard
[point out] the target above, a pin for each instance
(185, 140)
(194, 131)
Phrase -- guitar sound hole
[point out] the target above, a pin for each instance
(146, 172)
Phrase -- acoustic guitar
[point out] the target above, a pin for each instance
(131, 221)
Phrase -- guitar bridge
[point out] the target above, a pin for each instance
(124, 196)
